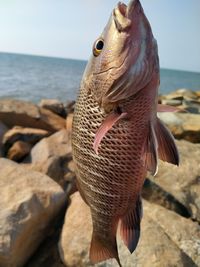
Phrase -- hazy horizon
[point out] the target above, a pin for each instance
(68, 29)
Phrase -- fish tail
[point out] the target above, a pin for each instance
(130, 226)
(102, 248)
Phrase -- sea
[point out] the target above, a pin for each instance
(33, 78)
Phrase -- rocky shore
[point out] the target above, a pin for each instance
(44, 222)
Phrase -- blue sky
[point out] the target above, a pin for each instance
(66, 28)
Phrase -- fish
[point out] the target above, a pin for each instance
(116, 135)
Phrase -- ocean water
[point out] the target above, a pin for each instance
(34, 78)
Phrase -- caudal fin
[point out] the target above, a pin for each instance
(130, 226)
(101, 251)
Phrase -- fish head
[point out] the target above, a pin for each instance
(124, 56)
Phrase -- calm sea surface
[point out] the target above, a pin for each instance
(33, 78)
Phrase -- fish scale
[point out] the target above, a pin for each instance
(112, 169)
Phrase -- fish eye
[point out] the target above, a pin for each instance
(98, 47)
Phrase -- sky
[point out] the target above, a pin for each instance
(68, 28)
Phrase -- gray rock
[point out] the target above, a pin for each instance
(29, 201)
(26, 114)
(174, 243)
(183, 182)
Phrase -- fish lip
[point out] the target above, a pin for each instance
(121, 20)
(122, 8)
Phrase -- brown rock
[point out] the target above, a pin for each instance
(53, 105)
(28, 135)
(29, 201)
(25, 114)
(183, 125)
(183, 182)
(69, 121)
(18, 151)
(174, 243)
(50, 155)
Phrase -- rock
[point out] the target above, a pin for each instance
(183, 182)
(3, 130)
(47, 255)
(29, 201)
(183, 125)
(181, 94)
(69, 121)
(51, 155)
(26, 114)
(161, 244)
(172, 102)
(183, 232)
(18, 151)
(28, 135)
(53, 105)
(70, 107)
(185, 99)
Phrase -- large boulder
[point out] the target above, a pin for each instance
(167, 239)
(29, 202)
(26, 114)
(51, 155)
(183, 125)
(183, 182)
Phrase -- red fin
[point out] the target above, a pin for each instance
(167, 108)
(106, 125)
(101, 251)
(130, 226)
(167, 150)
(150, 153)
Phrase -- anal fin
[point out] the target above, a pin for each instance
(130, 226)
(167, 150)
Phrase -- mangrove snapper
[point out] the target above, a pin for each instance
(116, 135)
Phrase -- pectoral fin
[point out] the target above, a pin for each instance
(106, 125)
(167, 150)
(150, 151)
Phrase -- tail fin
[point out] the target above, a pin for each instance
(101, 250)
(130, 226)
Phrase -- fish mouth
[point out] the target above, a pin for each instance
(123, 14)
